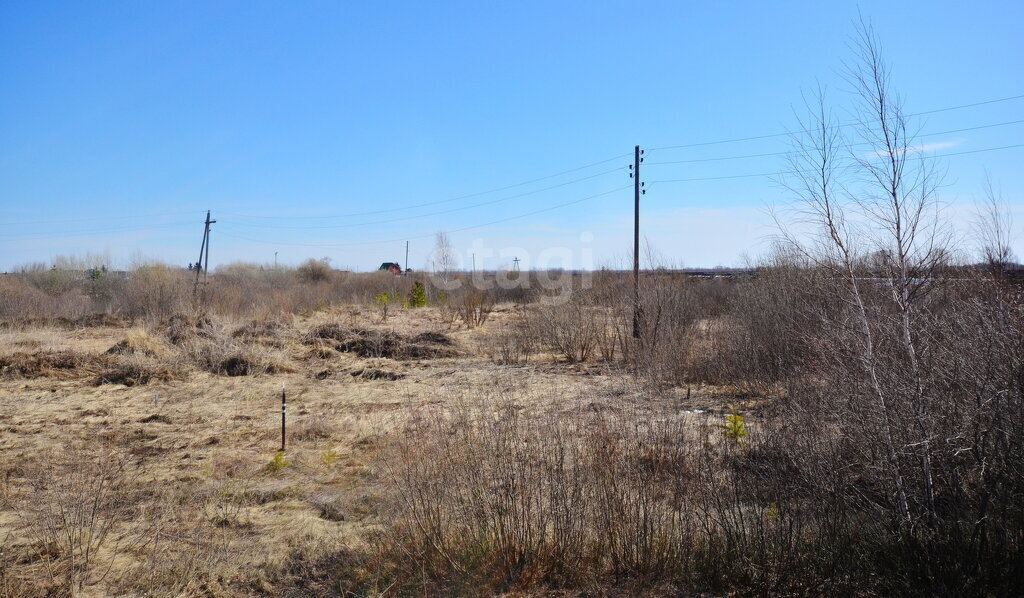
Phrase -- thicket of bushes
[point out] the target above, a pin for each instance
(889, 458)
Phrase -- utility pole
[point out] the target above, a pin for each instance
(275, 260)
(637, 191)
(515, 264)
(203, 263)
(405, 272)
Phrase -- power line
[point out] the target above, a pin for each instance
(968, 105)
(781, 173)
(96, 218)
(418, 216)
(79, 233)
(453, 230)
(434, 203)
(787, 133)
(789, 152)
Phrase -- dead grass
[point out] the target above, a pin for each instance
(164, 398)
(140, 342)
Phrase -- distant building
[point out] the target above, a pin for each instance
(391, 267)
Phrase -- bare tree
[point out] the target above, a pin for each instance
(881, 239)
(444, 259)
(992, 227)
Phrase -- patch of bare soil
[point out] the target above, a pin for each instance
(377, 343)
(133, 374)
(50, 364)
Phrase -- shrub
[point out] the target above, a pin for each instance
(472, 306)
(570, 330)
(278, 462)
(383, 302)
(313, 271)
(418, 295)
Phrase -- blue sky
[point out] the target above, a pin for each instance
(311, 128)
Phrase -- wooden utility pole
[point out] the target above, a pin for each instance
(204, 250)
(637, 317)
(405, 271)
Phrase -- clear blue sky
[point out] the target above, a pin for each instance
(120, 123)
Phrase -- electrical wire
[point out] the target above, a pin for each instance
(438, 202)
(782, 173)
(454, 230)
(787, 153)
(96, 218)
(787, 133)
(416, 217)
(32, 236)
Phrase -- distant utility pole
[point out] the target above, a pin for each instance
(637, 191)
(515, 264)
(204, 257)
(275, 260)
(405, 272)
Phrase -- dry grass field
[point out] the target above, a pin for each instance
(520, 443)
(163, 453)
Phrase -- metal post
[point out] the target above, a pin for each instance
(283, 410)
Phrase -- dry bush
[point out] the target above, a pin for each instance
(154, 291)
(499, 498)
(82, 514)
(21, 300)
(314, 271)
(182, 328)
(470, 305)
(221, 355)
(762, 340)
(568, 329)
(513, 344)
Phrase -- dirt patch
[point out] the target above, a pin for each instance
(237, 366)
(50, 364)
(433, 338)
(156, 418)
(376, 374)
(377, 343)
(424, 351)
(131, 374)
